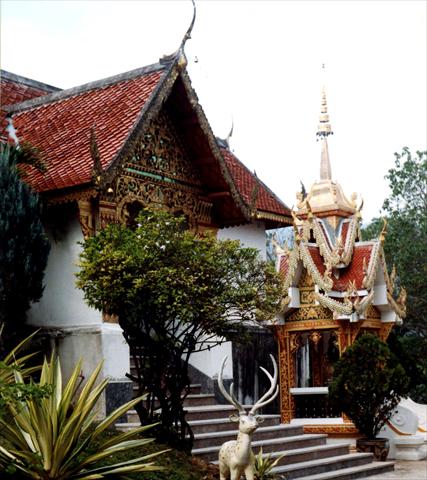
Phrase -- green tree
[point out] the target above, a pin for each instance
(24, 247)
(406, 247)
(368, 384)
(175, 294)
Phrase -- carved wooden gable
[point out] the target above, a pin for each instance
(159, 172)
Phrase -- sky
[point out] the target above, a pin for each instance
(256, 65)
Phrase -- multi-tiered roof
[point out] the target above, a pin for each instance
(349, 274)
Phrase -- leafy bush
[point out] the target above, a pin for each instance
(368, 384)
(50, 437)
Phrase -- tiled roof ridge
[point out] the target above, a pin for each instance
(222, 144)
(29, 82)
(86, 87)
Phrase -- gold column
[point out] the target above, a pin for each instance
(288, 343)
(385, 330)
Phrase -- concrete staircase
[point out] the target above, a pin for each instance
(306, 456)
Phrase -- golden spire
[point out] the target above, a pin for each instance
(323, 131)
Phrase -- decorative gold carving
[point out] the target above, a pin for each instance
(86, 217)
(385, 330)
(292, 258)
(160, 151)
(311, 325)
(307, 297)
(369, 278)
(337, 429)
(107, 213)
(306, 280)
(288, 343)
(76, 195)
(372, 312)
(309, 313)
(174, 198)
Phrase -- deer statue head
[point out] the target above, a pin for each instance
(236, 457)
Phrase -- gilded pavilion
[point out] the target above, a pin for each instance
(336, 286)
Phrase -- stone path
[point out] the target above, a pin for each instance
(404, 470)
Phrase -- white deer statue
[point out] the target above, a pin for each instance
(236, 456)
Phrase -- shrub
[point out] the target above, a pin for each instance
(368, 384)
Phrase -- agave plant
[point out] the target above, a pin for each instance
(49, 437)
(264, 466)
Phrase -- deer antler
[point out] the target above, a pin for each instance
(230, 397)
(272, 392)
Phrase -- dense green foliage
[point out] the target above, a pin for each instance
(48, 437)
(175, 294)
(24, 247)
(368, 384)
(406, 245)
(406, 248)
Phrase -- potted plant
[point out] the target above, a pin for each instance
(367, 386)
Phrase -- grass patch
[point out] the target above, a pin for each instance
(178, 465)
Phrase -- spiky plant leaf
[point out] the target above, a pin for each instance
(48, 436)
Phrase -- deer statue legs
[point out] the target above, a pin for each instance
(236, 456)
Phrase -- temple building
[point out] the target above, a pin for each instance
(336, 286)
(112, 147)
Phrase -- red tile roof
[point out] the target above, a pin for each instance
(249, 186)
(344, 231)
(283, 265)
(16, 89)
(61, 129)
(353, 272)
(317, 258)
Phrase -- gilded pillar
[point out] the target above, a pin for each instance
(385, 331)
(288, 343)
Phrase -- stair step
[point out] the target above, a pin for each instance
(269, 445)
(211, 439)
(313, 453)
(209, 411)
(199, 399)
(323, 465)
(305, 454)
(195, 388)
(224, 424)
(351, 473)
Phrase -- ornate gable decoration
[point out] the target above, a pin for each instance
(158, 171)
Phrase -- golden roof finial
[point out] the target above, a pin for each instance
(323, 131)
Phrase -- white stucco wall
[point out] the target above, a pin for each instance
(251, 235)
(209, 362)
(62, 304)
